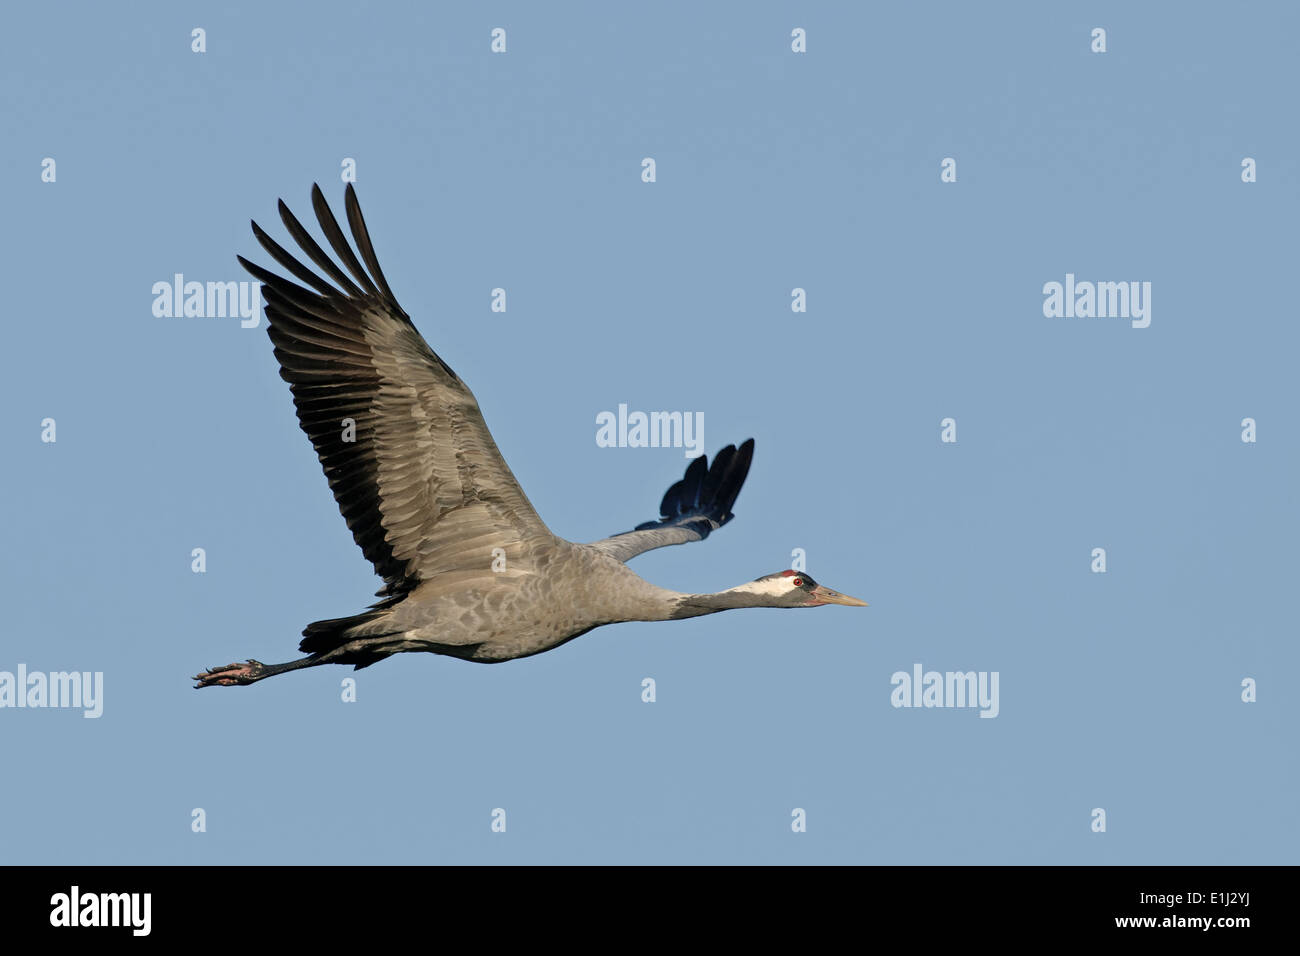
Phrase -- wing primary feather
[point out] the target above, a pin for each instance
(713, 480)
(357, 223)
(315, 252)
(278, 284)
(338, 242)
(287, 259)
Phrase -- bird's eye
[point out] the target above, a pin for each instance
(798, 582)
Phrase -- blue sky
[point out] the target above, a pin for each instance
(774, 171)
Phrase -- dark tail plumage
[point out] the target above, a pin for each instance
(322, 636)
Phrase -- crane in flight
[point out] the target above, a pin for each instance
(469, 568)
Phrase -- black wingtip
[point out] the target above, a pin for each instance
(704, 497)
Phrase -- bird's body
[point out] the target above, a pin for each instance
(470, 570)
(489, 616)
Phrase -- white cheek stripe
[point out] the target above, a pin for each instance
(772, 587)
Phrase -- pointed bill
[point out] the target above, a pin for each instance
(825, 595)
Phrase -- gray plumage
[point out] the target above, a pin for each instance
(469, 568)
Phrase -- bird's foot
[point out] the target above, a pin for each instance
(231, 674)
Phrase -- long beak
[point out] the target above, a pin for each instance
(826, 596)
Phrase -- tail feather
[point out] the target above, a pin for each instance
(320, 637)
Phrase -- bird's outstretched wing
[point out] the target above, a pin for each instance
(698, 504)
(408, 456)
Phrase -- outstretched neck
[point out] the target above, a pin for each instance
(695, 605)
(636, 599)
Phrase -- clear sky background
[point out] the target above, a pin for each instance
(775, 170)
